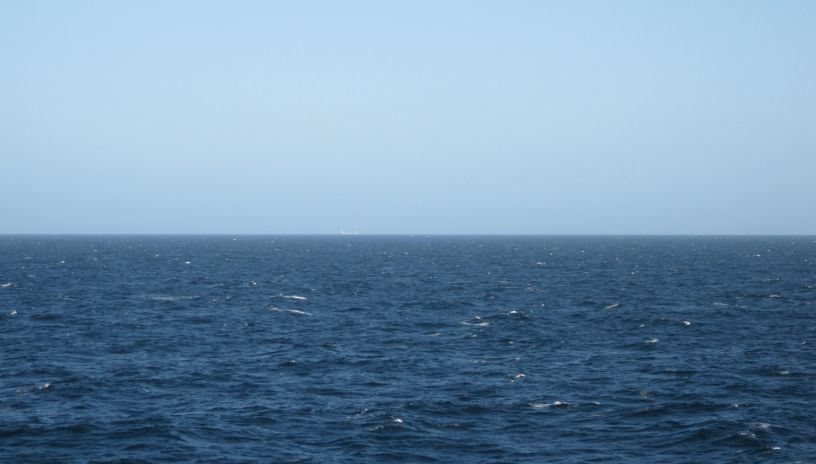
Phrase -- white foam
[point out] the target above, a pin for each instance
(554, 404)
(686, 322)
(477, 324)
(291, 311)
(612, 306)
(6, 285)
(294, 297)
(297, 311)
(653, 340)
(13, 312)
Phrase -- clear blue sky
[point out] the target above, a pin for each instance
(408, 117)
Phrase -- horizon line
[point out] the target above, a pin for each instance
(400, 234)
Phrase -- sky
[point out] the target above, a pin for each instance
(408, 117)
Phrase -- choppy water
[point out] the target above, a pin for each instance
(407, 349)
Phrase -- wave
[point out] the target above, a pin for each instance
(291, 311)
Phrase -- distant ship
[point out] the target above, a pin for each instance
(354, 232)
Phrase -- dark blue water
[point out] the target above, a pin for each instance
(407, 349)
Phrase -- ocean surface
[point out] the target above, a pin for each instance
(365, 349)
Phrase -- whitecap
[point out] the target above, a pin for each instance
(291, 311)
(297, 311)
(653, 340)
(554, 404)
(612, 306)
(13, 312)
(294, 297)
(6, 285)
(362, 412)
(686, 322)
(749, 434)
(477, 324)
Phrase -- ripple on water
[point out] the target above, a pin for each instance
(372, 350)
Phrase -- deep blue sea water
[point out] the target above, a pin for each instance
(407, 349)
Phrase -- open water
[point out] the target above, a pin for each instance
(358, 349)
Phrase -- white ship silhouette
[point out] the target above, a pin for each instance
(354, 232)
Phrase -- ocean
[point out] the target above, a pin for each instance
(373, 349)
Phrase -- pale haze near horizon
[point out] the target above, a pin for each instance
(408, 117)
